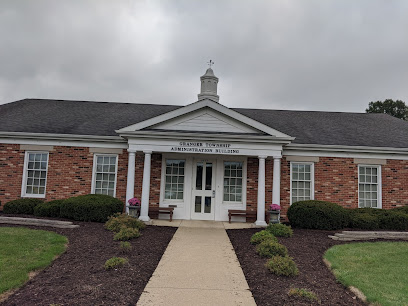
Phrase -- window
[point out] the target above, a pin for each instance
(301, 181)
(174, 178)
(233, 181)
(369, 178)
(35, 174)
(105, 168)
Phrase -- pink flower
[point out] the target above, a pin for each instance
(134, 202)
(275, 207)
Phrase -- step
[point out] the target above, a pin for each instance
(368, 235)
(37, 222)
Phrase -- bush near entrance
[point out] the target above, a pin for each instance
(49, 209)
(91, 207)
(280, 230)
(282, 266)
(21, 206)
(270, 248)
(318, 215)
(261, 236)
(330, 216)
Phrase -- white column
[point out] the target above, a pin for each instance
(130, 185)
(144, 209)
(276, 180)
(260, 220)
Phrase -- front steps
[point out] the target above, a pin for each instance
(368, 235)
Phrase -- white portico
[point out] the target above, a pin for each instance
(204, 147)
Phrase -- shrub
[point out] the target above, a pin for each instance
(280, 230)
(318, 215)
(91, 207)
(261, 236)
(303, 293)
(49, 209)
(394, 220)
(117, 221)
(282, 266)
(21, 206)
(365, 221)
(115, 262)
(126, 233)
(125, 246)
(403, 209)
(270, 248)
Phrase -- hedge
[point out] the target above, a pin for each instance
(91, 207)
(21, 206)
(49, 209)
(318, 215)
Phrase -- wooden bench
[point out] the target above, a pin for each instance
(240, 213)
(162, 210)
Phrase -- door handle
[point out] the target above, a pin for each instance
(213, 193)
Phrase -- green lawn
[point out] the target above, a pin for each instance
(23, 250)
(378, 269)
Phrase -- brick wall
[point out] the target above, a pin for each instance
(336, 180)
(70, 174)
(11, 172)
(395, 183)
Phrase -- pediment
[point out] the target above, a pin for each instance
(204, 116)
(206, 120)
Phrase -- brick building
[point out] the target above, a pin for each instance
(203, 158)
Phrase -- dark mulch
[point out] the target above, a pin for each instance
(77, 277)
(307, 248)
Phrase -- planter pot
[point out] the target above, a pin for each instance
(134, 211)
(274, 216)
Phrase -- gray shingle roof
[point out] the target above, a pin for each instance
(103, 118)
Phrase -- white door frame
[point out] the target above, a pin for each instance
(203, 194)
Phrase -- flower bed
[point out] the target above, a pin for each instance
(78, 276)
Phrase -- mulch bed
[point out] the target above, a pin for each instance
(307, 248)
(78, 277)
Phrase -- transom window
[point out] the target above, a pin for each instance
(301, 181)
(233, 181)
(368, 186)
(36, 166)
(105, 168)
(174, 179)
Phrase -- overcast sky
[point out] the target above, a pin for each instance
(306, 55)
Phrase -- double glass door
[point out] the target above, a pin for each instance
(203, 194)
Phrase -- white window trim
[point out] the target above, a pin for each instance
(312, 193)
(163, 180)
(379, 184)
(95, 157)
(25, 170)
(244, 181)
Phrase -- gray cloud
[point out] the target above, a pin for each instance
(315, 55)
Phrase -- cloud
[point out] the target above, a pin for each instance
(316, 55)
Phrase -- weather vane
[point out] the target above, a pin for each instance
(210, 63)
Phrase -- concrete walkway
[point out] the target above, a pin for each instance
(199, 267)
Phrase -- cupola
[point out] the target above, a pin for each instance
(209, 86)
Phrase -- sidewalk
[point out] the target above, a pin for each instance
(199, 267)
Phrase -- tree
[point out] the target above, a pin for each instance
(396, 108)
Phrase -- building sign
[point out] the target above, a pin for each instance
(204, 147)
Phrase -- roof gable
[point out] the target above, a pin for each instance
(204, 116)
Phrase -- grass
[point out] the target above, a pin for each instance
(378, 269)
(24, 250)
